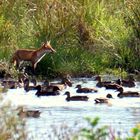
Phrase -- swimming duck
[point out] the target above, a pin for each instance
(128, 94)
(107, 84)
(34, 81)
(113, 86)
(75, 98)
(109, 96)
(127, 83)
(21, 77)
(27, 87)
(61, 86)
(103, 100)
(100, 82)
(28, 113)
(85, 89)
(10, 84)
(40, 92)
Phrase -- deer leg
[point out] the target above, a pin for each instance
(16, 63)
(34, 66)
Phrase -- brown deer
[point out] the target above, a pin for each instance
(34, 56)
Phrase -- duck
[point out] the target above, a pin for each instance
(113, 86)
(109, 96)
(61, 85)
(85, 89)
(107, 84)
(101, 83)
(41, 92)
(128, 94)
(28, 113)
(27, 87)
(34, 81)
(47, 86)
(21, 77)
(130, 82)
(10, 84)
(103, 100)
(75, 98)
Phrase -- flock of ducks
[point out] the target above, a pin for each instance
(53, 89)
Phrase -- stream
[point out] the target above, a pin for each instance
(58, 114)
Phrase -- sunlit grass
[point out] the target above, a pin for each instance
(96, 35)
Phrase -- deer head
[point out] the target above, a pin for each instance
(48, 47)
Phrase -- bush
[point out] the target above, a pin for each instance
(94, 132)
(102, 133)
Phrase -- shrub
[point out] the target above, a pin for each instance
(94, 132)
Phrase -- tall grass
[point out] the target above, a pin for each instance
(89, 36)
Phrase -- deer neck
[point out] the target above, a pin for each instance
(40, 53)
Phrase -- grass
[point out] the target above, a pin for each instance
(89, 36)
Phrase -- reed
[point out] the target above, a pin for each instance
(89, 36)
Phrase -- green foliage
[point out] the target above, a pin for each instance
(94, 132)
(12, 127)
(89, 36)
(135, 133)
(7, 70)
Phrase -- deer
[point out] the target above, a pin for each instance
(34, 56)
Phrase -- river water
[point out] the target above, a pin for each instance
(58, 114)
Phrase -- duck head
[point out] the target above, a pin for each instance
(46, 83)
(109, 96)
(38, 87)
(67, 93)
(78, 86)
(66, 81)
(98, 78)
(26, 82)
(118, 81)
(34, 81)
(131, 78)
(120, 89)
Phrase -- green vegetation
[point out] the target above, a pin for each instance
(135, 133)
(12, 127)
(89, 36)
(94, 133)
(101, 133)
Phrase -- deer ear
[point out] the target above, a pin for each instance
(48, 42)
